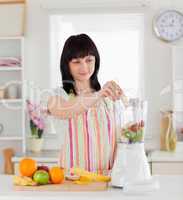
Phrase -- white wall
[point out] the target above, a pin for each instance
(158, 68)
(157, 58)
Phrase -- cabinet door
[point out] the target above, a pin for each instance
(167, 168)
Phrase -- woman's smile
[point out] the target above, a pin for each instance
(83, 74)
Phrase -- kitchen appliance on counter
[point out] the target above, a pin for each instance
(131, 170)
(168, 136)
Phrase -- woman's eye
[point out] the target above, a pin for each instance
(89, 60)
(76, 61)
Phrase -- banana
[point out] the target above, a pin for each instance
(82, 182)
(23, 181)
(90, 176)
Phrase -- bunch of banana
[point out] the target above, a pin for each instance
(23, 181)
(86, 176)
(83, 180)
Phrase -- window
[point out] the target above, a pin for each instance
(119, 39)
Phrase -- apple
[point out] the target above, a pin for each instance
(43, 167)
(134, 127)
(41, 177)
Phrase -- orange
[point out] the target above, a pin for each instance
(27, 167)
(56, 175)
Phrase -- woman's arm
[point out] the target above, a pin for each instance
(61, 108)
(64, 109)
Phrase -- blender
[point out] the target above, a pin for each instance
(131, 170)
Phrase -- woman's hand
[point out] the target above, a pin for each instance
(112, 90)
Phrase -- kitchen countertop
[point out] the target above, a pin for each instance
(171, 187)
(165, 156)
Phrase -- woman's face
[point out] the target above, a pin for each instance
(82, 68)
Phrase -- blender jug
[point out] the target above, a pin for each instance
(130, 163)
(133, 124)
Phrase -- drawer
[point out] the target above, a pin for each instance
(167, 168)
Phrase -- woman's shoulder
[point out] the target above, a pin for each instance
(59, 91)
(47, 93)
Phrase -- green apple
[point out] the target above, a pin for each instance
(41, 177)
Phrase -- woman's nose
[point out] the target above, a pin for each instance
(84, 64)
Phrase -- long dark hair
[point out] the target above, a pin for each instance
(78, 46)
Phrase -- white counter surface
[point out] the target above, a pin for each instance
(165, 156)
(171, 188)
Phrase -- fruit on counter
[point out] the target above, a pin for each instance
(27, 167)
(56, 175)
(32, 174)
(83, 180)
(23, 181)
(41, 177)
(43, 167)
(72, 177)
(90, 176)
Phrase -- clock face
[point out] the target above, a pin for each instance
(169, 25)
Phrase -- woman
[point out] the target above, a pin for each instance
(88, 109)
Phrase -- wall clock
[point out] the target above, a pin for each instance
(168, 25)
